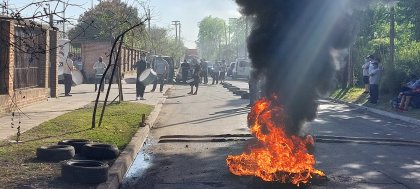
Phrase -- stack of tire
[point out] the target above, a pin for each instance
(90, 171)
(236, 90)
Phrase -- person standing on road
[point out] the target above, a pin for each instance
(196, 77)
(216, 69)
(374, 78)
(365, 68)
(185, 67)
(161, 67)
(68, 67)
(222, 72)
(140, 65)
(99, 68)
(204, 74)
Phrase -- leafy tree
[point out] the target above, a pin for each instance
(211, 37)
(105, 21)
(163, 44)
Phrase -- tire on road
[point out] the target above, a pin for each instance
(76, 143)
(239, 92)
(99, 151)
(84, 171)
(245, 96)
(233, 89)
(55, 152)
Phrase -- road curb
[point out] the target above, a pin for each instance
(379, 112)
(122, 164)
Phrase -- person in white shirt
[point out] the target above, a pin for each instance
(365, 68)
(99, 68)
(374, 78)
(161, 67)
(68, 67)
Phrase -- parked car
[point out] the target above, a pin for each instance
(178, 78)
(242, 69)
(230, 69)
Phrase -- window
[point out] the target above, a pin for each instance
(29, 54)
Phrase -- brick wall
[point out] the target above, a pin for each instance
(22, 98)
(53, 58)
(92, 50)
(11, 98)
(90, 53)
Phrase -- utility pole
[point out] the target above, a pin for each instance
(148, 19)
(179, 33)
(176, 24)
(246, 35)
(64, 20)
(392, 36)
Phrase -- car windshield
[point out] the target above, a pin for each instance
(244, 64)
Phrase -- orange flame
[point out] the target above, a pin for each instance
(277, 156)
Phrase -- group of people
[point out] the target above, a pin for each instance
(408, 91)
(371, 77)
(159, 65)
(200, 72)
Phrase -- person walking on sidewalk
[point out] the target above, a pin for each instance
(196, 77)
(68, 67)
(365, 68)
(99, 68)
(141, 65)
(161, 67)
(374, 78)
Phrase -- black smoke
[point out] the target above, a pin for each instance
(292, 43)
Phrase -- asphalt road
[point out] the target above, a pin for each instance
(188, 146)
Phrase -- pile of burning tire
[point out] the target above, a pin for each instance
(81, 161)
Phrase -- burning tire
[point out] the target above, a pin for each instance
(55, 152)
(100, 151)
(76, 143)
(84, 171)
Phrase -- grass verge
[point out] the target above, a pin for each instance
(18, 161)
(356, 95)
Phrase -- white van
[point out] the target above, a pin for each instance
(242, 69)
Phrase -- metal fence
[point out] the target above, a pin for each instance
(29, 54)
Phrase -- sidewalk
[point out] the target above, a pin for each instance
(82, 95)
(244, 86)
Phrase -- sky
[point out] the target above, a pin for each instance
(163, 12)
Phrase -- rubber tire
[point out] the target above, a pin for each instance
(76, 143)
(245, 96)
(239, 92)
(233, 89)
(84, 171)
(55, 152)
(99, 151)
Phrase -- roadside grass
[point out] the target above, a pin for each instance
(356, 95)
(18, 161)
